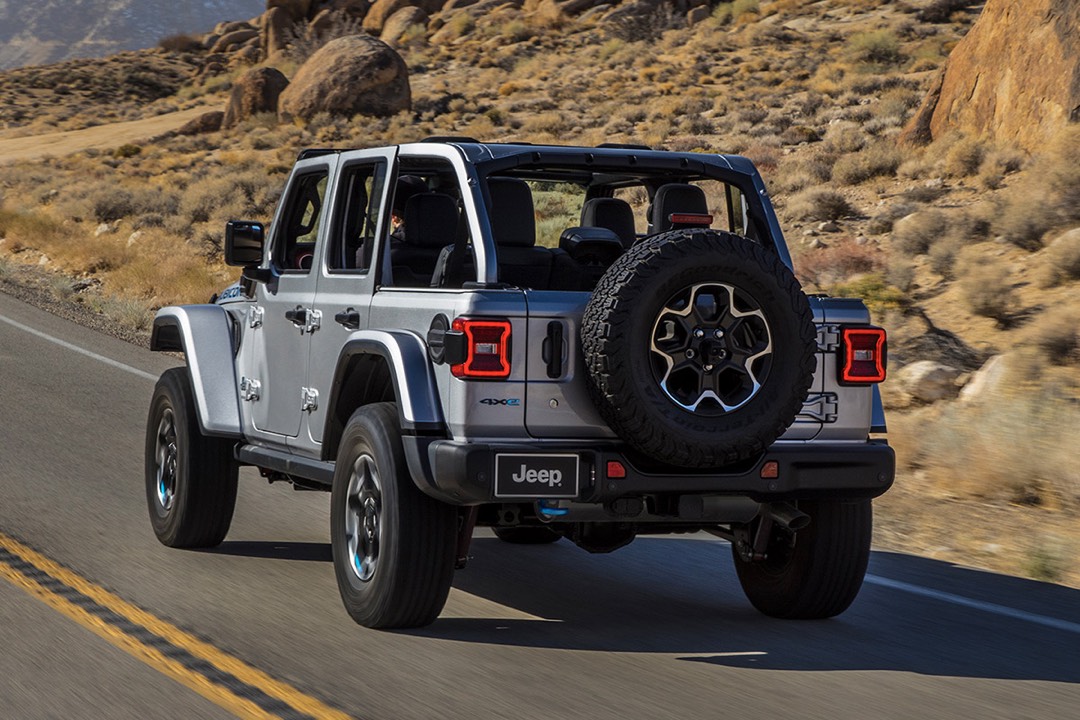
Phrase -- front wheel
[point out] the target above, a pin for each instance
(190, 478)
(818, 572)
(393, 546)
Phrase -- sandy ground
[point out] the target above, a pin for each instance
(14, 149)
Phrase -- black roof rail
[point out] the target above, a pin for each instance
(624, 146)
(308, 153)
(449, 139)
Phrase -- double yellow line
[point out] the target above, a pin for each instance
(55, 585)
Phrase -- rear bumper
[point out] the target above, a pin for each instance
(463, 473)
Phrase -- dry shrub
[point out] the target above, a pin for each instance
(838, 262)
(914, 234)
(874, 290)
(875, 48)
(941, 11)
(1008, 446)
(1056, 334)
(1048, 198)
(964, 158)
(984, 284)
(881, 159)
(1061, 261)
(180, 43)
(109, 203)
(819, 204)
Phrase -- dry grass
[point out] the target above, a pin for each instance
(985, 284)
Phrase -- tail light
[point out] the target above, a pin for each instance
(487, 349)
(863, 356)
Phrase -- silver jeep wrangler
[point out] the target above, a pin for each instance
(556, 342)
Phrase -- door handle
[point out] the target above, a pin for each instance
(297, 316)
(349, 318)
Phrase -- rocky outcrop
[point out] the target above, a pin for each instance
(348, 76)
(205, 123)
(927, 381)
(256, 91)
(382, 10)
(1014, 77)
(401, 21)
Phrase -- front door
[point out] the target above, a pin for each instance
(285, 318)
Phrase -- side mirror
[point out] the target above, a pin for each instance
(244, 243)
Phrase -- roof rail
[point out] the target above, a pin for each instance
(308, 153)
(624, 146)
(449, 139)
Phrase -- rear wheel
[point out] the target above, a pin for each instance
(393, 546)
(190, 478)
(527, 535)
(817, 572)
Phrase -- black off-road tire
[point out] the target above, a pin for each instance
(618, 329)
(415, 541)
(190, 478)
(527, 535)
(821, 573)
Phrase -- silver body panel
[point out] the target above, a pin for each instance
(207, 344)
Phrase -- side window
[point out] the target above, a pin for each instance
(353, 237)
(294, 247)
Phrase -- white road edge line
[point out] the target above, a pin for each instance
(1049, 622)
(81, 351)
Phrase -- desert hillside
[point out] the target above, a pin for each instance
(49, 31)
(897, 176)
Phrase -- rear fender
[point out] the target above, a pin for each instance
(405, 359)
(203, 333)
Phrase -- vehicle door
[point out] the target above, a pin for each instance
(346, 272)
(283, 321)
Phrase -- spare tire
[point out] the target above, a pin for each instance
(700, 347)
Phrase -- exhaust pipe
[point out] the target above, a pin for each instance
(787, 516)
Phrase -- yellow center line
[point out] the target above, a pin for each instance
(174, 635)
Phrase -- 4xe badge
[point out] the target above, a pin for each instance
(536, 476)
(511, 402)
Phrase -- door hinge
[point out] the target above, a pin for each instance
(309, 399)
(255, 317)
(314, 321)
(822, 407)
(250, 389)
(828, 338)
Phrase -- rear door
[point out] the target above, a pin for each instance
(346, 271)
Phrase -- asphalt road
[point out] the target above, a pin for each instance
(659, 629)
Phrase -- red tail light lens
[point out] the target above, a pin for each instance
(864, 353)
(487, 349)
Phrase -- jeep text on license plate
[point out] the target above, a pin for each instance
(536, 475)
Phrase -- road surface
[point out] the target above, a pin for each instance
(97, 620)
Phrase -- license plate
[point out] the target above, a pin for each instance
(536, 475)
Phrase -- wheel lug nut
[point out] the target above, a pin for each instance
(690, 354)
(698, 332)
(718, 333)
(708, 368)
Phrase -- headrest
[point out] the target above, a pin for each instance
(431, 220)
(676, 198)
(511, 213)
(406, 187)
(611, 213)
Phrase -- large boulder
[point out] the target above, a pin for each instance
(1014, 77)
(928, 381)
(382, 10)
(296, 9)
(349, 76)
(401, 21)
(256, 91)
(278, 30)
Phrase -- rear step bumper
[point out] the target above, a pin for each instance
(464, 473)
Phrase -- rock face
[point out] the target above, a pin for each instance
(1014, 77)
(348, 76)
(928, 381)
(400, 21)
(205, 123)
(256, 91)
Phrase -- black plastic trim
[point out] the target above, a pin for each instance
(315, 470)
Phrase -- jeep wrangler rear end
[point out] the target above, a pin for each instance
(557, 342)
